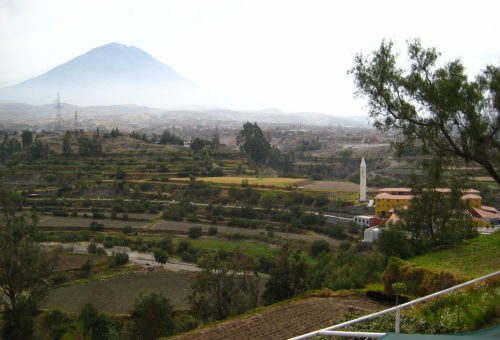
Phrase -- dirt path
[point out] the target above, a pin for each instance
(285, 321)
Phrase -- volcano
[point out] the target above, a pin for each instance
(110, 75)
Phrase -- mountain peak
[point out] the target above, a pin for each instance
(110, 74)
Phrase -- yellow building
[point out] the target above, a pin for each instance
(385, 202)
(390, 198)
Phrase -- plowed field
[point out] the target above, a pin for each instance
(286, 320)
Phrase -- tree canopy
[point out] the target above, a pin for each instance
(252, 141)
(437, 110)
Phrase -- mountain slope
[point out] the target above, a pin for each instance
(112, 74)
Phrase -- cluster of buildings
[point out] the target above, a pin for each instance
(388, 199)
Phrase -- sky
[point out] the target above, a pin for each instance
(289, 55)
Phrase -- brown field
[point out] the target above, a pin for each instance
(116, 295)
(286, 320)
(184, 227)
(70, 261)
(71, 222)
(337, 186)
(267, 181)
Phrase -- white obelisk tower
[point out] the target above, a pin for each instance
(362, 181)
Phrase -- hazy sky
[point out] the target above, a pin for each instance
(290, 55)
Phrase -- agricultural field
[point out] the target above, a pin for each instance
(258, 181)
(336, 186)
(285, 320)
(69, 261)
(115, 295)
(184, 227)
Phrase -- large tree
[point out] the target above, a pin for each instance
(252, 141)
(227, 284)
(436, 108)
(288, 276)
(24, 267)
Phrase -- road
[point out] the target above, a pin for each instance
(135, 256)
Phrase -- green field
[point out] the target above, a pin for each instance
(480, 257)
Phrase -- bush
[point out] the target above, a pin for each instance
(98, 215)
(101, 251)
(118, 259)
(92, 248)
(88, 265)
(60, 213)
(127, 229)
(55, 316)
(212, 231)
(318, 247)
(96, 226)
(195, 232)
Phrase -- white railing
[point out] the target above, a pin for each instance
(333, 330)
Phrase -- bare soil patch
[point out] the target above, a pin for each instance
(336, 185)
(285, 321)
(116, 295)
(70, 261)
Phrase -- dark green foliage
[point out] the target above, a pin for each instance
(197, 144)
(195, 232)
(393, 241)
(166, 244)
(436, 108)
(252, 141)
(227, 285)
(182, 246)
(118, 259)
(92, 248)
(160, 255)
(319, 246)
(89, 146)
(288, 276)
(153, 316)
(346, 270)
(88, 265)
(120, 174)
(169, 138)
(60, 213)
(67, 144)
(96, 226)
(88, 316)
(212, 231)
(320, 200)
(24, 267)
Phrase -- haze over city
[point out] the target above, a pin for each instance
(284, 55)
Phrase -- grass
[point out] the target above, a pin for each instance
(479, 257)
(251, 248)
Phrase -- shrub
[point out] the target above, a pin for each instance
(96, 226)
(212, 231)
(92, 248)
(127, 229)
(318, 247)
(60, 213)
(54, 316)
(118, 259)
(88, 265)
(101, 251)
(98, 215)
(195, 232)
